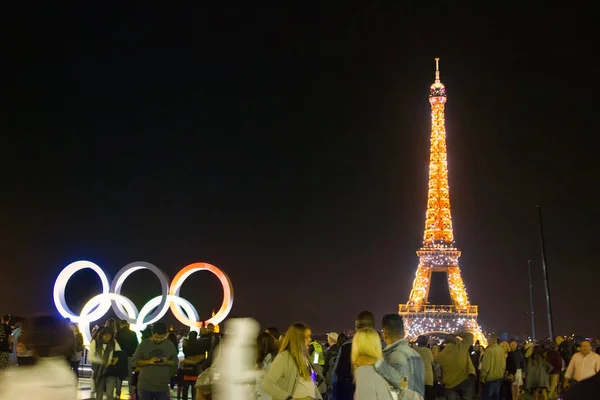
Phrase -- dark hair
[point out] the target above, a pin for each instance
(393, 325)
(75, 325)
(6, 318)
(265, 344)
(274, 332)
(364, 319)
(537, 358)
(123, 323)
(159, 328)
(422, 340)
(512, 340)
(342, 338)
(173, 338)
(107, 330)
(110, 323)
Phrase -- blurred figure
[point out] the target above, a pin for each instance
(25, 355)
(101, 356)
(236, 362)
(369, 384)
(6, 341)
(292, 375)
(49, 377)
(77, 352)
(15, 334)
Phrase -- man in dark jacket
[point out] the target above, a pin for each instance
(343, 382)
(128, 341)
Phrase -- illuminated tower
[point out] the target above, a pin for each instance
(438, 253)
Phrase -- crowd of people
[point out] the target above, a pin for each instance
(370, 364)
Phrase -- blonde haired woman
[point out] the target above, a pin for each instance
(369, 384)
(292, 376)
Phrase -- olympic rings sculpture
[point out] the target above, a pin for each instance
(124, 308)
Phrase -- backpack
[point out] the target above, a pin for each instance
(330, 370)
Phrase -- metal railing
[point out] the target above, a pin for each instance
(438, 309)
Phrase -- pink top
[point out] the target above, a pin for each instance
(582, 367)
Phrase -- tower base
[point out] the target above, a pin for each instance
(424, 320)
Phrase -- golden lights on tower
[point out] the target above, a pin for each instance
(438, 253)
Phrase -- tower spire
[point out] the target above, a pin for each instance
(437, 88)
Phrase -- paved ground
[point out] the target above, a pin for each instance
(84, 392)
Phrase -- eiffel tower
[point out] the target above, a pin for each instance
(438, 253)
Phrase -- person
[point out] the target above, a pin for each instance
(493, 368)
(515, 366)
(49, 376)
(427, 356)
(266, 353)
(583, 365)
(474, 353)
(316, 355)
(369, 384)
(587, 389)
(194, 354)
(401, 366)
(342, 382)
(292, 375)
(273, 331)
(157, 359)
(77, 353)
(457, 367)
(6, 341)
(112, 325)
(331, 355)
(102, 357)
(553, 358)
(16, 332)
(437, 372)
(128, 341)
(537, 372)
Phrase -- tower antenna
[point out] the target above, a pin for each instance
(437, 70)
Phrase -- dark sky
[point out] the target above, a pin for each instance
(289, 146)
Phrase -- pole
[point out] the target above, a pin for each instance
(532, 312)
(545, 269)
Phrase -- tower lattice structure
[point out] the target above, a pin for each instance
(438, 253)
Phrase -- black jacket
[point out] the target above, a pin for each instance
(120, 368)
(128, 341)
(343, 382)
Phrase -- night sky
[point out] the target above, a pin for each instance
(289, 146)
